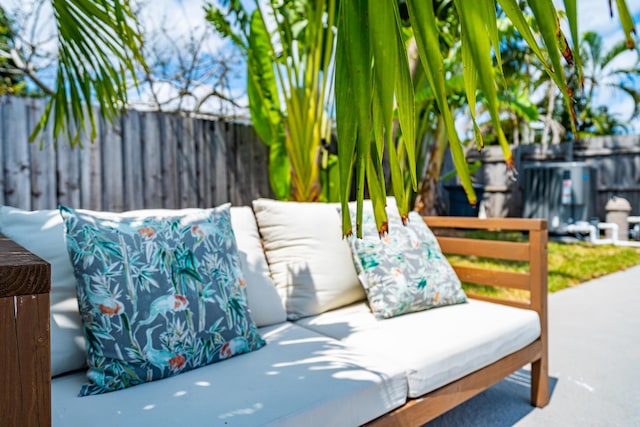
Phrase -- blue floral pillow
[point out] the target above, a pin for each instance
(158, 295)
(405, 270)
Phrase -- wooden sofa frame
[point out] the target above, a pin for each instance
(534, 252)
(25, 392)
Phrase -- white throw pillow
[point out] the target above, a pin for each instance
(264, 302)
(310, 262)
(42, 232)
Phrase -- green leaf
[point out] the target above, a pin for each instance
(346, 122)
(98, 50)
(375, 182)
(381, 28)
(262, 89)
(521, 104)
(474, 28)
(627, 22)
(397, 178)
(422, 17)
(547, 20)
(279, 170)
(488, 12)
(354, 50)
(471, 83)
(571, 9)
(264, 106)
(406, 104)
(514, 13)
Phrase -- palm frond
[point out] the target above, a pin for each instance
(98, 51)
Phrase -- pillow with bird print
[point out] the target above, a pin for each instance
(403, 271)
(157, 295)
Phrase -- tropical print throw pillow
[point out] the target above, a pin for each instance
(158, 295)
(405, 270)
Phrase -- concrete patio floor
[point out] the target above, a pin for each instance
(594, 346)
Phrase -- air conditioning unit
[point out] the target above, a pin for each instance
(563, 193)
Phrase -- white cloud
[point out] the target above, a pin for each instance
(178, 19)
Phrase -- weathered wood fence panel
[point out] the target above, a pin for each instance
(144, 160)
(617, 161)
(17, 165)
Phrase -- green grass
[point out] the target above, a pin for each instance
(569, 264)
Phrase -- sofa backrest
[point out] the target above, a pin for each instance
(42, 232)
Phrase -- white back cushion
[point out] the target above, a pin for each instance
(264, 302)
(310, 263)
(42, 232)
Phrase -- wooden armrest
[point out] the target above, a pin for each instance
(25, 353)
(532, 252)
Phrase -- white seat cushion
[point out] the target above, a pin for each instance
(298, 378)
(435, 346)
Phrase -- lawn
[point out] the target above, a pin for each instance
(569, 264)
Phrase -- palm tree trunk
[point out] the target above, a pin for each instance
(427, 199)
(551, 93)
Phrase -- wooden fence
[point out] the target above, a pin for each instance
(154, 160)
(145, 160)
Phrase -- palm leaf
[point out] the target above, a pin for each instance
(423, 21)
(406, 113)
(571, 8)
(354, 50)
(627, 22)
(346, 125)
(384, 51)
(98, 49)
(471, 83)
(548, 23)
(474, 28)
(264, 106)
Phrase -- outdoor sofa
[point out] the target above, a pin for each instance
(327, 359)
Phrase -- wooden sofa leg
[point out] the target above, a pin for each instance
(540, 383)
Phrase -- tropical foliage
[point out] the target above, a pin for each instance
(98, 50)
(602, 73)
(288, 45)
(11, 83)
(375, 97)
(364, 99)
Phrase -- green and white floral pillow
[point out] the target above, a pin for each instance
(158, 295)
(405, 270)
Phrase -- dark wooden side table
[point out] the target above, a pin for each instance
(25, 355)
